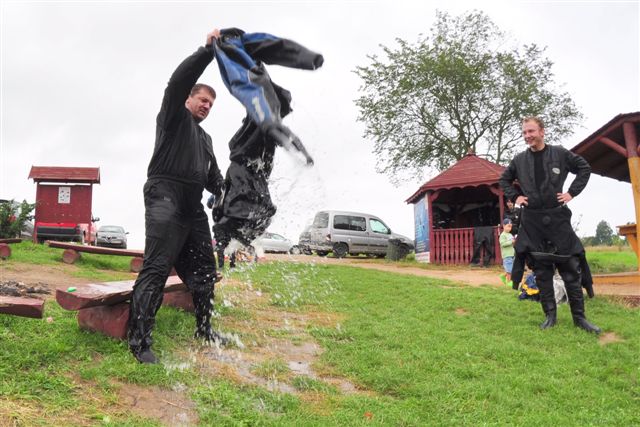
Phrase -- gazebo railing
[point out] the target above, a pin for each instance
(455, 246)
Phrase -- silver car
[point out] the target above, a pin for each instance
(353, 233)
(272, 242)
(112, 236)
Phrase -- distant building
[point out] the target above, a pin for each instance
(450, 209)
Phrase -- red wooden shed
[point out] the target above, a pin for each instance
(63, 202)
(452, 205)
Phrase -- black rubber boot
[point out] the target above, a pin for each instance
(576, 302)
(579, 319)
(550, 311)
(140, 326)
(203, 303)
(145, 356)
(582, 323)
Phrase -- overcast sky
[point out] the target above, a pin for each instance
(82, 82)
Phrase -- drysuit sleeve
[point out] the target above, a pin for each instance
(579, 166)
(274, 50)
(180, 84)
(509, 175)
(214, 179)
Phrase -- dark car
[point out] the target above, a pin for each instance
(112, 236)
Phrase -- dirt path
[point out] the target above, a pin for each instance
(466, 275)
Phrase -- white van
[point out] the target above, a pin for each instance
(352, 233)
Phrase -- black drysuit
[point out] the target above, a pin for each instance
(546, 237)
(245, 210)
(176, 225)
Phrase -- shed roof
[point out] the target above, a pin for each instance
(65, 174)
(470, 171)
(606, 148)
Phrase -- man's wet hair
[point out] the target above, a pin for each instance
(536, 119)
(201, 86)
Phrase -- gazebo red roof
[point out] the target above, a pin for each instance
(470, 171)
(65, 174)
(606, 148)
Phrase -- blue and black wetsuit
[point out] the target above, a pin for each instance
(246, 209)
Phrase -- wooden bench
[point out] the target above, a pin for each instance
(5, 249)
(19, 306)
(629, 231)
(104, 307)
(72, 253)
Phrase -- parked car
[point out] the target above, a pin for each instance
(81, 232)
(272, 242)
(112, 236)
(27, 229)
(353, 233)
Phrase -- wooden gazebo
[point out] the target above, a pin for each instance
(455, 203)
(613, 151)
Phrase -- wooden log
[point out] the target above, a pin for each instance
(110, 320)
(25, 307)
(5, 251)
(70, 256)
(179, 299)
(136, 264)
(10, 240)
(94, 249)
(106, 293)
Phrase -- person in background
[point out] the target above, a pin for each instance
(507, 251)
(546, 234)
(177, 230)
(513, 213)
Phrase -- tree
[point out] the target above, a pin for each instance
(13, 217)
(461, 90)
(604, 234)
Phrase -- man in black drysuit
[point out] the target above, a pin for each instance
(245, 210)
(546, 237)
(176, 225)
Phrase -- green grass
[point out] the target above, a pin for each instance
(438, 354)
(420, 351)
(91, 266)
(611, 259)
(41, 364)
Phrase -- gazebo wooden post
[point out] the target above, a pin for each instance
(430, 198)
(631, 142)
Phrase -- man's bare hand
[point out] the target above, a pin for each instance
(521, 200)
(215, 34)
(564, 198)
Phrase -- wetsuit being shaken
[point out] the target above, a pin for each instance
(245, 210)
(176, 226)
(546, 238)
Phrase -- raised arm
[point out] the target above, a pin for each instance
(182, 80)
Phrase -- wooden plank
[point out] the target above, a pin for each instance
(110, 320)
(106, 293)
(7, 241)
(25, 307)
(95, 249)
(5, 251)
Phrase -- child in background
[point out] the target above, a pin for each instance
(507, 251)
